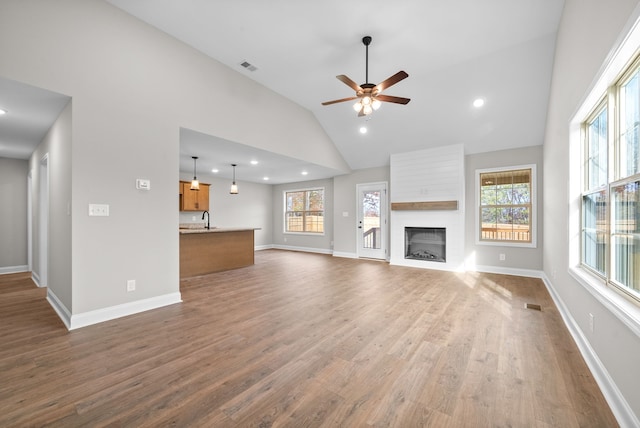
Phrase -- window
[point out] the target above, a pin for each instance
(610, 208)
(506, 205)
(304, 211)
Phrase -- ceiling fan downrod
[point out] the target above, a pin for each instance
(366, 40)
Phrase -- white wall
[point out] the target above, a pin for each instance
(588, 32)
(486, 257)
(13, 215)
(133, 87)
(251, 207)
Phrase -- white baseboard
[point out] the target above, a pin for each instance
(74, 321)
(35, 278)
(60, 308)
(303, 249)
(619, 406)
(530, 273)
(345, 255)
(14, 269)
(262, 247)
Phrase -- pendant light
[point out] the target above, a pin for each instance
(195, 184)
(234, 186)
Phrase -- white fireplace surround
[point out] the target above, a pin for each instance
(430, 175)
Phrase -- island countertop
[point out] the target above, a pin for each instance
(189, 230)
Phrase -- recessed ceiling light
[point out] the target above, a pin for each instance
(478, 102)
(304, 173)
(265, 178)
(363, 129)
(2, 112)
(254, 162)
(214, 170)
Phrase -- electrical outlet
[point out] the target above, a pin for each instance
(131, 285)
(591, 322)
(503, 257)
(193, 218)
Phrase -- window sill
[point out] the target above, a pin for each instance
(508, 244)
(304, 233)
(626, 311)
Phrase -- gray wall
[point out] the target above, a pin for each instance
(251, 207)
(124, 128)
(488, 255)
(319, 243)
(588, 31)
(57, 147)
(13, 215)
(345, 200)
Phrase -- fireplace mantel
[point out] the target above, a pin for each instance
(424, 206)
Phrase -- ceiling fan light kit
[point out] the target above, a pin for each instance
(368, 95)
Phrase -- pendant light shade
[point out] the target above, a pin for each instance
(195, 184)
(234, 186)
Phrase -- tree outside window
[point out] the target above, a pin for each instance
(506, 205)
(304, 211)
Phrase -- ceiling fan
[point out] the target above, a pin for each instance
(369, 95)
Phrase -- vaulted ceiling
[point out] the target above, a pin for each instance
(454, 52)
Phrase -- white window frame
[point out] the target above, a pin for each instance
(620, 305)
(534, 208)
(284, 211)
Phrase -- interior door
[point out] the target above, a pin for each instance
(372, 220)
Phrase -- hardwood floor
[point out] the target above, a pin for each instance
(303, 340)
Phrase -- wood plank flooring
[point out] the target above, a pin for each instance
(303, 340)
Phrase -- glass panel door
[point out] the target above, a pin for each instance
(372, 220)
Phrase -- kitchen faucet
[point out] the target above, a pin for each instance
(207, 213)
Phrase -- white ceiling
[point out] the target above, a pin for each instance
(454, 52)
(30, 113)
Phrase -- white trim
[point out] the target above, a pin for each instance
(619, 406)
(59, 307)
(262, 247)
(627, 312)
(35, 278)
(345, 255)
(14, 269)
(284, 210)
(106, 314)
(529, 273)
(384, 222)
(302, 249)
(534, 207)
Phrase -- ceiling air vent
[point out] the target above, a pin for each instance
(248, 66)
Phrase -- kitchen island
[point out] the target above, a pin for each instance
(204, 251)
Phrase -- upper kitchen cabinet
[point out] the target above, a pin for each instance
(194, 200)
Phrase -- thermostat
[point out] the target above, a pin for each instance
(143, 184)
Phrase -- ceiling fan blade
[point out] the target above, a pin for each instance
(341, 100)
(400, 75)
(391, 99)
(350, 83)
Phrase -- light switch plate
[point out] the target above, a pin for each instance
(99, 210)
